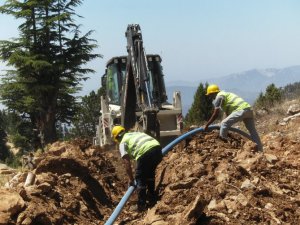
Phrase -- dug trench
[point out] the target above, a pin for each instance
(200, 181)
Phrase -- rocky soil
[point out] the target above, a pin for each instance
(204, 180)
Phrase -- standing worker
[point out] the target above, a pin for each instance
(236, 109)
(147, 152)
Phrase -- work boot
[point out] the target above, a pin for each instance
(142, 196)
(142, 208)
(152, 199)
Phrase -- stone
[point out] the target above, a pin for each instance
(293, 109)
(11, 203)
(4, 218)
(188, 183)
(230, 203)
(271, 158)
(151, 217)
(247, 184)
(269, 206)
(242, 199)
(193, 211)
(216, 206)
(29, 179)
(287, 119)
(212, 205)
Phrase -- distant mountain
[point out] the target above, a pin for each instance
(247, 84)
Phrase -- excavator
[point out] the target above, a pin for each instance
(135, 95)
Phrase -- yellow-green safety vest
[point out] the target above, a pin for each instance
(233, 102)
(138, 143)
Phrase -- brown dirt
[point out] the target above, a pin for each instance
(202, 181)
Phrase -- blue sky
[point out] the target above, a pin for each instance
(196, 38)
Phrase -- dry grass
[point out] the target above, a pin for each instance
(3, 179)
(268, 120)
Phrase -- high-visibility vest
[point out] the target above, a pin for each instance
(138, 143)
(233, 102)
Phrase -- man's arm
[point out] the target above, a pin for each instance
(217, 104)
(127, 165)
(213, 117)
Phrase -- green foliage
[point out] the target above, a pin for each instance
(14, 161)
(6, 155)
(19, 141)
(87, 117)
(272, 96)
(201, 108)
(47, 60)
(291, 91)
(20, 130)
(4, 151)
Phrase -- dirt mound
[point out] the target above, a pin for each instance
(71, 187)
(209, 181)
(204, 180)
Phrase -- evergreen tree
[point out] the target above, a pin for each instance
(201, 108)
(291, 91)
(48, 59)
(272, 96)
(87, 117)
(260, 102)
(4, 151)
(19, 131)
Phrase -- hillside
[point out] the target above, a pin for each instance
(201, 181)
(253, 82)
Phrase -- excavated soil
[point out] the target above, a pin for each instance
(204, 180)
(212, 182)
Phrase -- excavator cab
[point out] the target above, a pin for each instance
(114, 79)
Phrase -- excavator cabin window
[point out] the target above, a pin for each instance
(156, 80)
(115, 77)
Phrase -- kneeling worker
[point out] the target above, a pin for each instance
(147, 152)
(236, 110)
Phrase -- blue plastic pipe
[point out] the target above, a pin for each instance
(165, 150)
(120, 206)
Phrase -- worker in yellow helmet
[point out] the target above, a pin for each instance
(236, 110)
(147, 152)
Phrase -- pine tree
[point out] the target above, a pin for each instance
(291, 91)
(48, 59)
(4, 151)
(272, 96)
(260, 102)
(87, 117)
(201, 107)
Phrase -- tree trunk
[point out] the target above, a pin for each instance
(49, 130)
(45, 123)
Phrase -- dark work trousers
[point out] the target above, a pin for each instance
(145, 174)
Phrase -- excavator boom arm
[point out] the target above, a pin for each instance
(136, 92)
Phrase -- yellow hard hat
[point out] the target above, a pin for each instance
(116, 131)
(213, 88)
